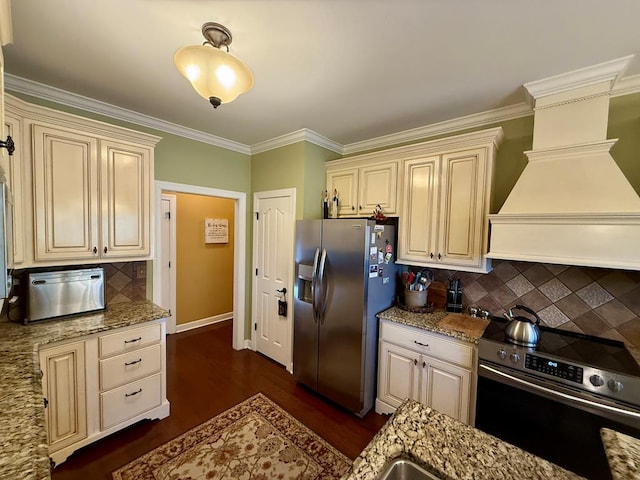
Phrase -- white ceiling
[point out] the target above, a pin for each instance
(350, 70)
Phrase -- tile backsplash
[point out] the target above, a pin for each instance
(125, 282)
(596, 301)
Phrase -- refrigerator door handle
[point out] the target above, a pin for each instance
(314, 286)
(321, 271)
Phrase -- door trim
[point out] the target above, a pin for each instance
(239, 248)
(291, 194)
(172, 257)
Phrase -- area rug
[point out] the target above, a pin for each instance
(256, 439)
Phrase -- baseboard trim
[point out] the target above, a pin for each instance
(183, 327)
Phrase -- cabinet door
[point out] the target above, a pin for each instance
(418, 219)
(377, 186)
(462, 220)
(65, 179)
(63, 384)
(398, 374)
(345, 182)
(445, 388)
(12, 166)
(126, 224)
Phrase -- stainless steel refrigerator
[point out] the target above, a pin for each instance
(346, 274)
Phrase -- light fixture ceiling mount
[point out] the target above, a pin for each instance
(215, 74)
(217, 35)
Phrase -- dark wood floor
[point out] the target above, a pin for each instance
(205, 376)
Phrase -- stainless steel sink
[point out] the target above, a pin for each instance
(404, 469)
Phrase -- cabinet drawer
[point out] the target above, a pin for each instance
(129, 340)
(428, 343)
(130, 366)
(122, 403)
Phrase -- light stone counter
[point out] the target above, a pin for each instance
(24, 453)
(448, 449)
(623, 454)
(426, 321)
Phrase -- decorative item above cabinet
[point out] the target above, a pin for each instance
(446, 187)
(87, 189)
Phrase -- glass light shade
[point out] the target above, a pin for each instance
(214, 72)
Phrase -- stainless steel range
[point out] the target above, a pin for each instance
(552, 399)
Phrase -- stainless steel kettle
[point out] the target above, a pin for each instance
(522, 330)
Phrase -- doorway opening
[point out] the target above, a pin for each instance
(239, 258)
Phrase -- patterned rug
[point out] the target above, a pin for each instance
(256, 439)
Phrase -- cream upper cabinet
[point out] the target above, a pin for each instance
(345, 184)
(125, 190)
(66, 197)
(446, 194)
(444, 211)
(86, 189)
(427, 367)
(361, 186)
(13, 168)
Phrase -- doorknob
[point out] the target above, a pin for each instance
(284, 290)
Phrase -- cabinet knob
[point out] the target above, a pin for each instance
(95, 250)
(424, 364)
(415, 361)
(431, 255)
(105, 249)
(439, 256)
(352, 207)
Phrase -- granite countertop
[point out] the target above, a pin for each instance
(426, 321)
(448, 449)
(22, 429)
(623, 454)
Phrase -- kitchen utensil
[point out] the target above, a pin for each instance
(522, 330)
(405, 279)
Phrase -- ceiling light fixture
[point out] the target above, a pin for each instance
(215, 74)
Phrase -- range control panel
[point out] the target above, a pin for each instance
(558, 369)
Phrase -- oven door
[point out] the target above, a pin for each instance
(554, 422)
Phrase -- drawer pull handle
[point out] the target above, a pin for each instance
(132, 362)
(421, 344)
(133, 340)
(134, 393)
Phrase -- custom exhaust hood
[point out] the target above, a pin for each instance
(572, 204)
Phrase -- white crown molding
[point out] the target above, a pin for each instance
(603, 72)
(449, 126)
(39, 90)
(626, 86)
(304, 134)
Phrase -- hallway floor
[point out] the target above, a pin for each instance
(205, 376)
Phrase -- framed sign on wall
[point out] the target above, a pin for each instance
(216, 230)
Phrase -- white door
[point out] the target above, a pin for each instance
(273, 239)
(168, 257)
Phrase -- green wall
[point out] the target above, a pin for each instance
(300, 166)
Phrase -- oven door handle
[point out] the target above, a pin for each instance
(554, 393)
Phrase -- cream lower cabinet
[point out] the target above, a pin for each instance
(361, 188)
(446, 194)
(102, 383)
(63, 380)
(426, 367)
